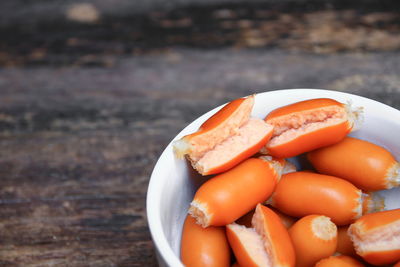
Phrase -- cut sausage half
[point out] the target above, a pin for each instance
(308, 125)
(225, 139)
(267, 244)
(376, 237)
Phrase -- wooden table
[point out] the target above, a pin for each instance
(78, 141)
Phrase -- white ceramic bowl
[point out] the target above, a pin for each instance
(173, 182)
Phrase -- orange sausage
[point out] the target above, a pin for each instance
(314, 237)
(304, 126)
(228, 196)
(364, 164)
(304, 193)
(211, 132)
(376, 237)
(266, 244)
(247, 245)
(286, 220)
(344, 245)
(270, 226)
(201, 247)
(225, 139)
(339, 261)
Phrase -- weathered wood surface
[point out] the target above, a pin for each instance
(86, 35)
(78, 144)
(78, 141)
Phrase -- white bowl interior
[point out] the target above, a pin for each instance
(173, 181)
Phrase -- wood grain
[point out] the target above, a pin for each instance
(78, 141)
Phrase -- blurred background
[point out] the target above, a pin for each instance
(92, 91)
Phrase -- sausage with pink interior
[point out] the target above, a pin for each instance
(376, 237)
(266, 244)
(226, 139)
(307, 125)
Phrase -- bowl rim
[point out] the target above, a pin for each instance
(161, 245)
